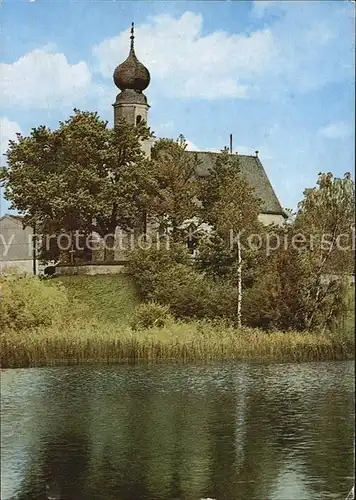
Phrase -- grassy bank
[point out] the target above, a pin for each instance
(106, 298)
(93, 327)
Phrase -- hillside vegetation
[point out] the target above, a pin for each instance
(107, 298)
(87, 319)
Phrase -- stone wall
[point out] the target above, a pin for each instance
(22, 266)
(91, 269)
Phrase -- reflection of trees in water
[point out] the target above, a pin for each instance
(264, 449)
(158, 448)
(192, 448)
(60, 434)
(248, 449)
(62, 466)
(299, 423)
(222, 435)
(330, 451)
(122, 435)
(19, 444)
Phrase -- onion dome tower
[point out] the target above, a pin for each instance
(132, 78)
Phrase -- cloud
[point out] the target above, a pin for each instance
(337, 130)
(43, 78)
(320, 33)
(299, 51)
(191, 146)
(163, 128)
(8, 130)
(315, 45)
(186, 63)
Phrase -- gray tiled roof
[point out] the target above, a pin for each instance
(252, 170)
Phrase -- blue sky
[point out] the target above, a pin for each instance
(277, 75)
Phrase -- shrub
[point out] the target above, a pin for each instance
(289, 295)
(28, 302)
(148, 315)
(191, 294)
(145, 266)
(168, 277)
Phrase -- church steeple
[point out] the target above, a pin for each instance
(132, 78)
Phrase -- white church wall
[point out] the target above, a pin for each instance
(268, 219)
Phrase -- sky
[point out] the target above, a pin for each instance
(277, 75)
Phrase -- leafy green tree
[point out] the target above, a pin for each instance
(286, 292)
(230, 207)
(176, 196)
(326, 216)
(190, 294)
(293, 285)
(276, 297)
(82, 176)
(326, 220)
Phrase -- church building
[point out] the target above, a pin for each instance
(132, 78)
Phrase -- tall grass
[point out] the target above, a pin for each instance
(97, 343)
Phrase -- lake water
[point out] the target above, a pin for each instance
(225, 431)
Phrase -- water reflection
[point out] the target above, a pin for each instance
(225, 431)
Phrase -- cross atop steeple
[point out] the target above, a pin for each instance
(132, 37)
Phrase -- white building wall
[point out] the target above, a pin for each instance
(268, 219)
(16, 247)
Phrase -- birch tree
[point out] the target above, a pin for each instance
(231, 208)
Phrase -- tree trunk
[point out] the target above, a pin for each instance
(145, 223)
(109, 247)
(239, 284)
(34, 250)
